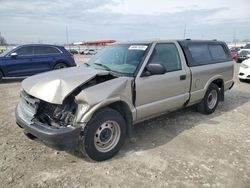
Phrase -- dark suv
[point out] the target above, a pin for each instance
(27, 60)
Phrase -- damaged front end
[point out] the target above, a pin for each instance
(56, 110)
(55, 124)
(52, 124)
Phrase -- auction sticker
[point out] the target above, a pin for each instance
(138, 47)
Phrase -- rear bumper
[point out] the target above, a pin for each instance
(65, 138)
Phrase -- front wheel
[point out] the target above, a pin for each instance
(104, 135)
(210, 100)
(60, 66)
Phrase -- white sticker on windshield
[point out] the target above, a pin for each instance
(138, 47)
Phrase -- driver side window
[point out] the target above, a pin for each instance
(25, 51)
(167, 55)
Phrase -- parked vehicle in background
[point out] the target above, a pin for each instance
(234, 52)
(244, 72)
(93, 107)
(242, 54)
(27, 60)
(73, 51)
(90, 52)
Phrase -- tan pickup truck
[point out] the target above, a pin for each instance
(93, 107)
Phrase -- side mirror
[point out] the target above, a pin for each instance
(13, 55)
(154, 69)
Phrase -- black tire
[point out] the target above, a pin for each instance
(60, 66)
(210, 101)
(97, 129)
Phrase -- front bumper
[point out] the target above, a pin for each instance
(244, 73)
(66, 138)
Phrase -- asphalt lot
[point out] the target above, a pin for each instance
(180, 149)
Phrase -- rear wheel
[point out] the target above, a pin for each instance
(210, 100)
(104, 135)
(60, 66)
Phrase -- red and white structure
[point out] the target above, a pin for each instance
(95, 43)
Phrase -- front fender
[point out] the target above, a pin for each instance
(84, 118)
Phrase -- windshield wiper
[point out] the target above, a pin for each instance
(104, 66)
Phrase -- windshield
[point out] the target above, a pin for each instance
(5, 52)
(123, 58)
(247, 46)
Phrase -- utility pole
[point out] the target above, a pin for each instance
(184, 32)
(234, 37)
(67, 36)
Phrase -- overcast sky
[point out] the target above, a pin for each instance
(31, 21)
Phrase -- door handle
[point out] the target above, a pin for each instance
(183, 77)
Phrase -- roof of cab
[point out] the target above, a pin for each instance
(186, 41)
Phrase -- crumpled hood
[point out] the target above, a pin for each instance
(54, 86)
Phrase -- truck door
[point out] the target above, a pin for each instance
(157, 94)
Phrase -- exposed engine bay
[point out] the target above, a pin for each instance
(57, 115)
(64, 115)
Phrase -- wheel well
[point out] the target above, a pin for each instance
(2, 72)
(220, 84)
(60, 61)
(124, 109)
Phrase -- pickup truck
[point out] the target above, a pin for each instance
(93, 107)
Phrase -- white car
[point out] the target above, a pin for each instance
(244, 72)
(89, 52)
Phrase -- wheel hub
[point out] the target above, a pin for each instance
(212, 99)
(107, 136)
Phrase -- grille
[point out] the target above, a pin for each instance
(28, 104)
(244, 53)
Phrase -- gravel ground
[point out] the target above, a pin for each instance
(180, 149)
